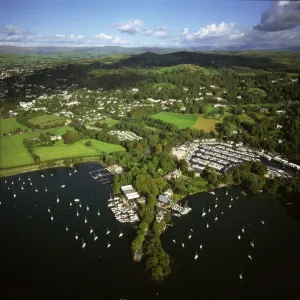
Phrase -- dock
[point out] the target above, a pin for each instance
(102, 175)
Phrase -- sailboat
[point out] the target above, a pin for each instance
(243, 229)
(182, 244)
(263, 222)
(196, 256)
(201, 246)
(108, 245)
(63, 186)
(216, 218)
(241, 276)
(70, 203)
(77, 213)
(46, 189)
(174, 241)
(95, 237)
(85, 220)
(76, 236)
(203, 213)
(250, 257)
(226, 193)
(51, 217)
(98, 213)
(252, 243)
(14, 194)
(57, 199)
(83, 244)
(91, 230)
(22, 188)
(42, 175)
(207, 225)
(36, 190)
(239, 237)
(48, 209)
(87, 208)
(216, 205)
(107, 232)
(67, 228)
(121, 234)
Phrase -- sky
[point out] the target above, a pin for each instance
(162, 23)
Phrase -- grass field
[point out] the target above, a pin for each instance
(110, 122)
(7, 125)
(45, 120)
(13, 153)
(205, 124)
(182, 121)
(78, 149)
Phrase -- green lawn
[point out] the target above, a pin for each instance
(181, 120)
(206, 124)
(13, 153)
(7, 125)
(78, 149)
(110, 122)
(45, 120)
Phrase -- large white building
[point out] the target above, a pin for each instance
(129, 192)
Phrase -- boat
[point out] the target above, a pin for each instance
(177, 215)
(70, 174)
(182, 244)
(19, 178)
(63, 186)
(91, 230)
(239, 237)
(85, 220)
(70, 203)
(241, 276)
(196, 256)
(42, 175)
(12, 183)
(121, 234)
(107, 232)
(75, 171)
(76, 236)
(250, 257)
(8, 188)
(108, 245)
(98, 213)
(216, 218)
(76, 200)
(51, 217)
(57, 199)
(231, 199)
(22, 188)
(48, 209)
(190, 236)
(80, 205)
(87, 208)
(252, 243)
(30, 183)
(207, 225)
(226, 193)
(174, 241)
(46, 189)
(191, 230)
(83, 244)
(77, 213)
(262, 222)
(201, 246)
(14, 195)
(229, 205)
(51, 174)
(67, 228)
(95, 237)
(209, 209)
(36, 190)
(216, 205)
(203, 213)
(213, 193)
(243, 229)
(243, 193)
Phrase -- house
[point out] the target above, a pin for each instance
(160, 216)
(55, 137)
(239, 97)
(168, 193)
(163, 199)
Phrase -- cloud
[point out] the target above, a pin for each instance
(130, 27)
(13, 33)
(102, 37)
(282, 15)
(160, 32)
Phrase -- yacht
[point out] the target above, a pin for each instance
(174, 241)
(196, 256)
(182, 244)
(67, 228)
(250, 257)
(263, 222)
(91, 230)
(77, 213)
(85, 220)
(57, 199)
(203, 213)
(239, 237)
(107, 231)
(207, 225)
(76, 236)
(121, 234)
(87, 208)
(95, 237)
(83, 244)
(98, 213)
(108, 245)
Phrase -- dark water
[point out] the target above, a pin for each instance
(39, 259)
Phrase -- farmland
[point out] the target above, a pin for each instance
(13, 153)
(182, 121)
(10, 124)
(205, 124)
(45, 120)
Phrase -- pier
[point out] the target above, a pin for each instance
(102, 175)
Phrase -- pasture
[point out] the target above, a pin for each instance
(104, 147)
(12, 151)
(110, 122)
(181, 120)
(10, 124)
(45, 120)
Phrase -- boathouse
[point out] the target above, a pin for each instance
(129, 192)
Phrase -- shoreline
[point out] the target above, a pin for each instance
(34, 167)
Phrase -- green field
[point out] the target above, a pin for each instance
(45, 120)
(110, 122)
(206, 124)
(78, 149)
(7, 125)
(182, 121)
(189, 67)
(13, 153)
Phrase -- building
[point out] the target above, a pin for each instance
(129, 192)
(55, 137)
(164, 200)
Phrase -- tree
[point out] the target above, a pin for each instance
(70, 137)
(88, 143)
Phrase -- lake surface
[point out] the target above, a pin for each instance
(39, 259)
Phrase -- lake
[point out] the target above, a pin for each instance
(40, 259)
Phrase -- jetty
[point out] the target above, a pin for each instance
(102, 175)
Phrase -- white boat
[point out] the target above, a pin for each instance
(70, 174)
(85, 220)
(51, 217)
(57, 199)
(216, 218)
(226, 193)
(95, 237)
(14, 195)
(36, 190)
(76, 200)
(48, 209)
(51, 174)
(67, 228)
(8, 188)
(209, 209)
(231, 199)
(263, 222)
(76, 236)
(12, 183)
(121, 234)
(250, 257)
(229, 205)
(98, 213)
(77, 213)
(216, 205)
(201, 246)
(83, 244)
(207, 225)
(70, 203)
(174, 241)
(241, 276)
(196, 256)
(46, 189)
(203, 213)
(108, 245)
(87, 208)
(63, 186)
(80, 205)
(190, 236)
(239, 237)
(182, 244)
(213, 193)
(24, 182)
(42, 176)
(30, 183)
(91, 230)
(22, 188)
(107, 231)
(252, 243)
(5, 181)
(243, 229)
(75, 170)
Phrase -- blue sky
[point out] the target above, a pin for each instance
(149, 23)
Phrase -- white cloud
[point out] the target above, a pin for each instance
(160, 32)
(130, 27)
(102, 37)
